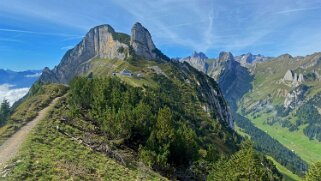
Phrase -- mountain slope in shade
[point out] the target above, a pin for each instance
(234, 79)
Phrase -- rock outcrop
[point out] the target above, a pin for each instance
(296, 97)
(99, 42)
(293, 77)
(288, 76)
(198, 61)
(142, 43)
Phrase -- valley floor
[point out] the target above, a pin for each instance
(308, 150)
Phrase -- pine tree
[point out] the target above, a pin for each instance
(314, 173)
(245, 164)
(4, 111)
(161, 138)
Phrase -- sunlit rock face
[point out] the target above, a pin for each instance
(142, 43)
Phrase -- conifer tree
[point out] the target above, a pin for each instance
(314, 173)
(4, 111)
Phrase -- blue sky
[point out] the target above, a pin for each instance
(37, 33)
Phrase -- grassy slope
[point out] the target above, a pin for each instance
(287, 175)
(29, 109)
(49, 155)
(308, 150)
(265, 84)
(105, 67)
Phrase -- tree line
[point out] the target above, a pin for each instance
(163, 124)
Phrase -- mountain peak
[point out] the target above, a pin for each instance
(100, 42)
(106, 27)
(285, 56)
(249, 58)
(142, 42)
(138, 25)
(226, 56)
(199, 55)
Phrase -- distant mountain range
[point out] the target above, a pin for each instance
(19, 79)
(14, 85)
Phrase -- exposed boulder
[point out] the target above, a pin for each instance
(288, 76)
(300, 78)
(293, 77)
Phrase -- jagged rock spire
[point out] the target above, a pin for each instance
(142, 42)
(225, 56)
(199, 55)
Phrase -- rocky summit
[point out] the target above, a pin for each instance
(198, 61)
(102, 42)
(142, 42)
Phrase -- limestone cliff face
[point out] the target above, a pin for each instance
(142, 43)
(99, 42)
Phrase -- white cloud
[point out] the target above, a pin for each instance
(37, 33)
(297, 10)
(33, 75)
(67, 47)
(11, 94)
(170, 21)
